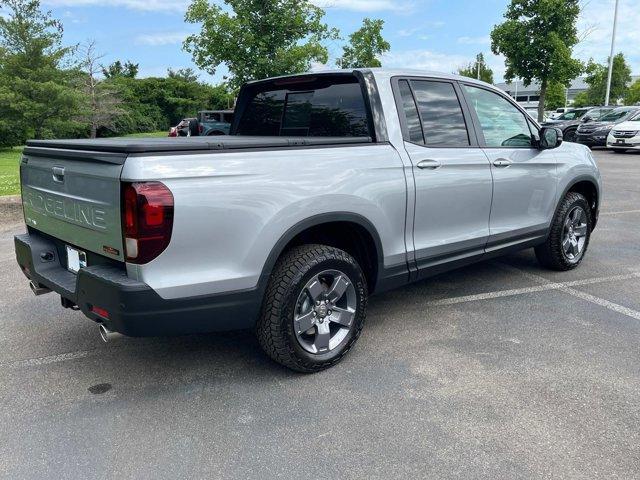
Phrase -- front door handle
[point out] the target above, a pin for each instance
(429, 164)
(502, 163)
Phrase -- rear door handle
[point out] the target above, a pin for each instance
(429, 164)
(502, 163)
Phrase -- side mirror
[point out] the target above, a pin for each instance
(586, 119)
(550, 137)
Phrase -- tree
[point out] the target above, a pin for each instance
(471, 70)
(186, 74)
(556, 96)
(365, 47)
(633, 94)
(257, 38)
(102, 105)
(537, 39)
(37, 95)
(127, 69)
(597, 76)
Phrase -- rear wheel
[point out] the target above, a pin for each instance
(569, 236)
(314, 308)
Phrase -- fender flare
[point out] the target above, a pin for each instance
(295, 230)
(573, 183)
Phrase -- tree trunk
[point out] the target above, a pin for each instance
(94, 130)
(543, 95)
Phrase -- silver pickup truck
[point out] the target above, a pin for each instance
(332, 186)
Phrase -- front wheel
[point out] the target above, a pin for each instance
(569, 236)
(570, 135)
(314, 308)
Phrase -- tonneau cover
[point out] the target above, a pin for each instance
(186, 144)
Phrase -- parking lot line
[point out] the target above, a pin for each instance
(566, 288)
(620, 212)
(545, 285)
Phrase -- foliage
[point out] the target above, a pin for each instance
(257, 38)
(581, 100)
(537, 39)
(37, 93)
(556, 96)
(186, 74)
(101, 104)
(597, 75)
(365, 47)
(471, 70)
(633, 94)
(9, 171)
(152, 104)
(118, 69)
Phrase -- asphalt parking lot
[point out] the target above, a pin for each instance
(500, 370)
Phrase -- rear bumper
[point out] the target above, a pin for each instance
(134, 309)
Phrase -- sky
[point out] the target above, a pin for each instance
(439, 35)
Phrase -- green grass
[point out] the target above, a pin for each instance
(10, 157)
(9, 177)
(147, 135)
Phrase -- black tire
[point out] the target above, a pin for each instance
(275, 327)
(551, 253)
(570, 135)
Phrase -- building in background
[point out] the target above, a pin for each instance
(529, 96)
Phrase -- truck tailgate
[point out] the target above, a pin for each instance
(75, 197)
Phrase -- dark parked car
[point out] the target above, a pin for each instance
(569, 121)
(594, 134)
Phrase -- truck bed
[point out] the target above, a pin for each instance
(158, 145)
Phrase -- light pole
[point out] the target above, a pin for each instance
(613, 44)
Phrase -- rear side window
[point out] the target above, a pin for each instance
(323, 107)
(441, 114)
(410, 111)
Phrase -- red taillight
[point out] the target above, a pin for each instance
(147, 220)
(201, 129)
(101, 312)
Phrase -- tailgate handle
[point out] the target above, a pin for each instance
(58, 174)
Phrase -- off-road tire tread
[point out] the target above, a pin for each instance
(550, 254)
(270, 328)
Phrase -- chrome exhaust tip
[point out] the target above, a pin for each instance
(107, 335)
(37, 289)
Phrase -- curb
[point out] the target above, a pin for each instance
(10, 200)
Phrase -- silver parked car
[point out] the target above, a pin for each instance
(330, 187)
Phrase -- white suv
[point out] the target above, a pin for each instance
(625, 136)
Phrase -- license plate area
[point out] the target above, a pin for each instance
(76, 259)
(621, 141)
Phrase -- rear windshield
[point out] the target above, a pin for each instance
(311, 107)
